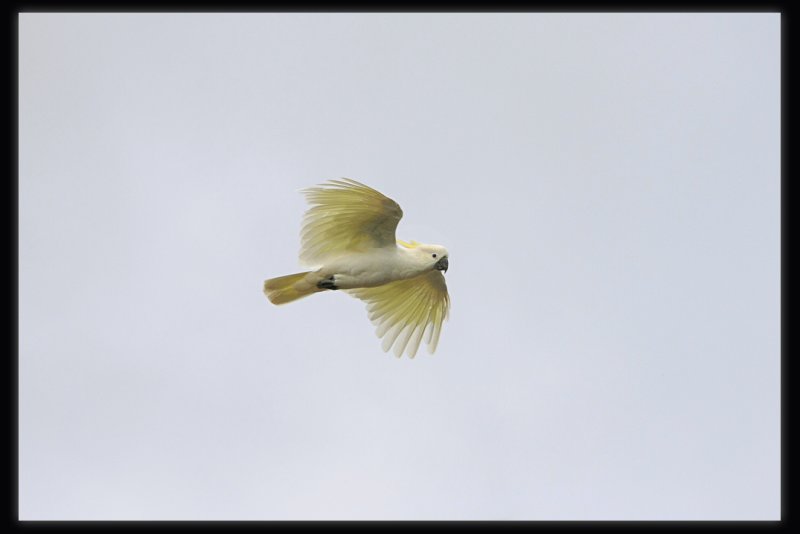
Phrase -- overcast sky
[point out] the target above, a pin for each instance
(607, 186)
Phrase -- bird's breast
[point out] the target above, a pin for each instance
(369, 269)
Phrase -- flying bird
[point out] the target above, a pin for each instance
(348, 237)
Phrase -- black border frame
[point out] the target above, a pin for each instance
(566, 6)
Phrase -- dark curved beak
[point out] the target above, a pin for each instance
(442, 264)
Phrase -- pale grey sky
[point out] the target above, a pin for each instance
(608, 188)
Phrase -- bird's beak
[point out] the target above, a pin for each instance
(442, 264)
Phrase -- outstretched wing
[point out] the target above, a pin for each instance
(406, 310)
(346, 216)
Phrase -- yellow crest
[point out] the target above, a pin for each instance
(413, 243)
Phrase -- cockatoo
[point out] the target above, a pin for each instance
(348, 236)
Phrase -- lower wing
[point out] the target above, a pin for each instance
(405, 311)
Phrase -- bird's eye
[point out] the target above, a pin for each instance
(433, 255)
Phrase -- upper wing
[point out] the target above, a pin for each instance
(346, 216)
(404, 310)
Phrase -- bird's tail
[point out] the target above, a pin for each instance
(288, 288)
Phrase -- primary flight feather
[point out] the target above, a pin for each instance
(348, 237)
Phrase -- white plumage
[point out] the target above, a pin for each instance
(348, 237)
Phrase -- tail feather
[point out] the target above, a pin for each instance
(288, 288)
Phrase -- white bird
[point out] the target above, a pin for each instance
(348, 236)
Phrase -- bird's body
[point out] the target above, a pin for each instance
(368, 269)
(348, 236)
(374, 267)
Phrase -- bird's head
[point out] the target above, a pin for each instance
(437, 256)
(432, 256)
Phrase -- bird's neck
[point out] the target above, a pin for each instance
(410, 262)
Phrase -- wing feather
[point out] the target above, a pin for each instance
(346, 216)
(407, 311)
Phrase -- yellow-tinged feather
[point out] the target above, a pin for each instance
(346, 216)
(288, 288)
(407, 311)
